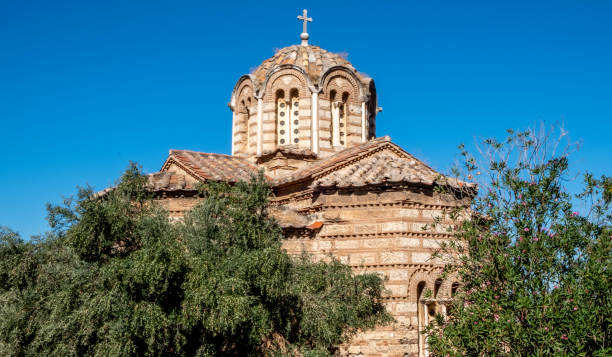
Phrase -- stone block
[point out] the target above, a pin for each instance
(376, 243)
(405, 242)
(336, 229)
(362, 258)
(366, 228)
(269, 136)
(429, 213)
(398, 274)
(403, 320)
(432, 243)
(409, 212)
(394, 257)
(325, 244)
(403, 307)
(392, 196)
(395, 226)
(421, 227)
(347, 244)
(420, 257)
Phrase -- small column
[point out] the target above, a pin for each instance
(259, 126)
(233, 132)
(336, 123)
(315, 122)
(363, 123)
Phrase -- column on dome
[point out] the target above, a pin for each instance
(251, 114)
(341, 124)
(244, 113)
(241, 127)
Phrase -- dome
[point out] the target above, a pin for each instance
(314, 60)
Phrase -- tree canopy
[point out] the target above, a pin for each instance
(117, 277)
(535, 260)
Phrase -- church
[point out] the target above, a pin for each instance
(307, 117)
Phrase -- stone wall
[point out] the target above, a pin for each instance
(389, 232)
(386, 230)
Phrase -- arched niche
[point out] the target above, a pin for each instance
(286, 92)
(341, 93)
(244, 108)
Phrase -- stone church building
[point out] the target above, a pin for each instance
(307, 117)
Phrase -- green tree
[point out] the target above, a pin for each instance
(116, 277)
(534, 261)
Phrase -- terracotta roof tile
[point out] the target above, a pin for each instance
(367, 164)
(321, 166)
(213, 167)
(313, 59)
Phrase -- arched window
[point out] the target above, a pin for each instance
(453, 292)
(247, 120)
(339, 118)
(422, 317)
(344, 112)
(454, 289)
(287, 117)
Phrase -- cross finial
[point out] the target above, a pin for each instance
(305, 19)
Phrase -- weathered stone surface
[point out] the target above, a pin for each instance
(420, 257)
(360, 199)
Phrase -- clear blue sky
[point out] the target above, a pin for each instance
(86, 86)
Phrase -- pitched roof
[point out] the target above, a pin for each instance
(366, 164)
(374, 162)
(211, 167)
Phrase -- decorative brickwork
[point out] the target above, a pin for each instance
(307, 118)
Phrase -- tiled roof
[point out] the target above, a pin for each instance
(374, 162)
(213, 167)
(330, 162)
(353, 167)
(377, 169)
(313, 59)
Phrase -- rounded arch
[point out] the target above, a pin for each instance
(454, 288)
(356, 88)
(271, 84)
(286, 79)
(244, 80)
(244, 109)
(418, 276)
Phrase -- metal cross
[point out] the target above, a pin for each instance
(305, 18)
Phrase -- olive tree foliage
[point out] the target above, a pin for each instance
(534, 260)
(117, 278)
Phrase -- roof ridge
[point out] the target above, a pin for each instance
(205, 153)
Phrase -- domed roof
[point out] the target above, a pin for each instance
(313, 59)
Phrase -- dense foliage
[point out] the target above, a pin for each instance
(116, 277)
(534, 262)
